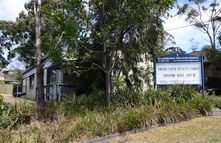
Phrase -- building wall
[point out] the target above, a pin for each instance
(30, 91)
(6, 89)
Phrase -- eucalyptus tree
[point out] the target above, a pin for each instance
(205, 16)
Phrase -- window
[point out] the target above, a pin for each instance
(51, 76)
(31, 81)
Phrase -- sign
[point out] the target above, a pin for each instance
(178, 69)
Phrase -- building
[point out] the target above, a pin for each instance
(56, 83)
(212, 73)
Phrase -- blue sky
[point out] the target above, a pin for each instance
(185, 38)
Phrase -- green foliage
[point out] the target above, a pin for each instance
(127, 98)
(202, 105)
(156, 97)
(132, 118)
(131, 98)
(213, 55)
(184, 92)
(215, 100)
(86, 118)
(119, 82)
(12, 115)
(3, 106)
(73, 105)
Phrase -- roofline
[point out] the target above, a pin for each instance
(26, 71)
(34, 66)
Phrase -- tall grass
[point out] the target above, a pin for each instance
(85, 117)
(13, 115)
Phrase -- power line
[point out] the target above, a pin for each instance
(183, 26)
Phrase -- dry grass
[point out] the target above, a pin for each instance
(11, 99)
(200, 130)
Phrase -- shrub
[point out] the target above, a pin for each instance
(86, 116)
(215, 100)
(201, 104)
(3, 106)
(127, 98)
(131, 98)
(16, 114)
(132, 118)
(73, 104)
(182, 92)
(156, 97)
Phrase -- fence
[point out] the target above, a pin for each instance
(56, 92)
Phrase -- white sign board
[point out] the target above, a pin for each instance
(188, 73)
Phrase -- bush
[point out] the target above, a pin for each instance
(182, 92)
(86, 116)
(132, 118)
(215, 100)
(156, 97)
(127, 98)
(131, 98)
(12, 115)
(73, 104)
(201, 104)
(3, 106)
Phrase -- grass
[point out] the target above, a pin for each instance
(10, 98)
(199, 130)
(216, 100)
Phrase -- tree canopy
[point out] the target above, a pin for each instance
(106, 37)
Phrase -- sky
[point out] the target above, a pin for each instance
(9, 10)
(185, 38)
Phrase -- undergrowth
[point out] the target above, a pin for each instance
(85, 117)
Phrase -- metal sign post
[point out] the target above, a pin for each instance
(154, 66)
(202, 74)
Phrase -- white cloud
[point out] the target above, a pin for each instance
(9, 9)
(187, 37)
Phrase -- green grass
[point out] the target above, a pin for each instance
(200, 130)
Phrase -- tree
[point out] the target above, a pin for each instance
(115, 36)
(100, 38)
(212, 55)
(39, 65)
(205, 16)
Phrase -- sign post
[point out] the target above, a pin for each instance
(176, 69)
(202, 72)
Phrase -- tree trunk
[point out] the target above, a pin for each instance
(107, 66)
(108, 88)
(39, 67)
(108, 81)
